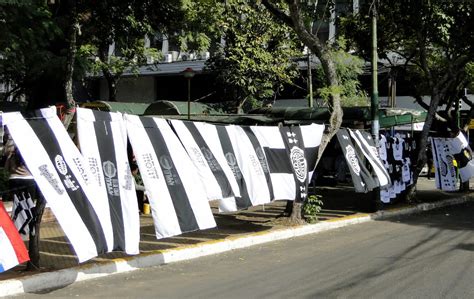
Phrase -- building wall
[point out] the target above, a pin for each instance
(135, 89)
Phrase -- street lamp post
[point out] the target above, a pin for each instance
(189, 73)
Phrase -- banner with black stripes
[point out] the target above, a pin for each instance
(103, 143)
(248, 172)
(290, 155)
(462, 153)
(365, 143)
(64, 179)
(212, 168)
(361, 176)
(178, 202)
(445, 171)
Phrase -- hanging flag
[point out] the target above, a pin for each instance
(291, 156)
(260, 155)
(247, 161)
(366, 145)
(213, 172)
(103, 143)
(445, 172)
(64, 179)
(462, 153)
(23, 213)
(361, 176)
(178, 201)
(12, 249)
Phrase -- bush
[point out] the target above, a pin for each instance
(311, 207)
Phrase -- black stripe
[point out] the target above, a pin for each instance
(261, 158)
(363, 181)
(378, 161)
(292, 137)
(311, 154)
(184, 212)
(211, 160)
(105, 142)
(435, 156)
(77, 196)
(243, 201)
(278, 161)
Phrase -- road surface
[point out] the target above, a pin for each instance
(427, 255)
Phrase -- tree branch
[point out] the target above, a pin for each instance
(278, 13)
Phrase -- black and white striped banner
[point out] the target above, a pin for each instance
(291, 154)
(445, 171)
(212, 167)
(103, 143)
(179, 204)
(461, 151)
(243, 162)
(361, 177)
(63, 177)
(365, 143)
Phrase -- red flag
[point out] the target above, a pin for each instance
(12, 248)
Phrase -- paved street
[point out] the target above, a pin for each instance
(427, 255)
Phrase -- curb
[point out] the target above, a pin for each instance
(64, 277)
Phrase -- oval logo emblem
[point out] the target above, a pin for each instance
(166, 162)
(352, 159)
(230, 158)
(109, 169)
(299, 163)
(60, 164)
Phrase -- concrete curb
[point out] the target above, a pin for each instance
(64, 277)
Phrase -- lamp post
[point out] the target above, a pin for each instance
(189, 73)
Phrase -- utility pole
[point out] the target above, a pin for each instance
(374, 100)
(310, 81)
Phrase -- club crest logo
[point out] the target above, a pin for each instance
(352, 159)
(298, 162)
(109, 168)
(166, 163)
(60, 164)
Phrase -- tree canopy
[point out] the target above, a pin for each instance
(434, 46)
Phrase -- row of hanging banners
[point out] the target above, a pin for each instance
(183, 165)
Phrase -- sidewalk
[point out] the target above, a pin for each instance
(236, 230)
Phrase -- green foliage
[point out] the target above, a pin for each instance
(256, 60)
(311, 207)
(348, 68)
(432, 39)
(27, 34)
(116, 21)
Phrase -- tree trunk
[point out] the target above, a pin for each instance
(70, 59)
(111, 79)
(33, 244)
(111, 84)
(295, 20)
(327, 62)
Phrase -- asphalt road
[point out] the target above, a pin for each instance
(427, 255)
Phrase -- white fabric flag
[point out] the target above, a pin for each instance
(210, 169)
(445, 172)
(103, 142)
(178, 202)
(64, 179)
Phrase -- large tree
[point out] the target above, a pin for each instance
(434, 40)
(299, 16)
(255, 58)
(28, 49)
(113, 36)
